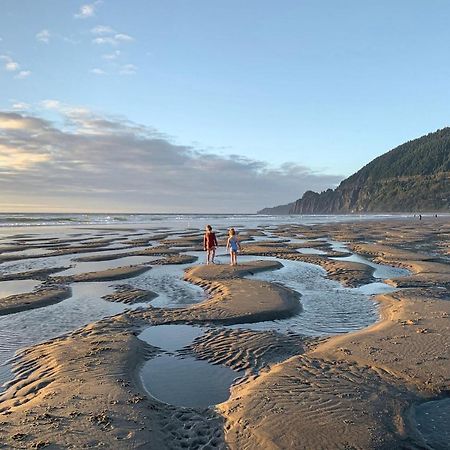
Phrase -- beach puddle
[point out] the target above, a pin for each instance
(336, 246)
(310, 251)
(167, 281)
(383, 272)
(375, 288)
(31, 252)
(14, 287)
(170, 337)
(327, 307)
(183, 381)
(27, 328)
(432, 420)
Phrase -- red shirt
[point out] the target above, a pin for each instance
(209, 240)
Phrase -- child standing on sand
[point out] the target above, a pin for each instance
(209, 244)
(233, 245)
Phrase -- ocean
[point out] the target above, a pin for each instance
(177, 220)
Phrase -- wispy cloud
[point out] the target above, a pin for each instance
(20, 106)
(112, 56)
(122, 37)
(43, 36)
(95, 162)
(102, 30)
(12, 66)
(107, 35)
(51, 104)
(23, 74)
(9, 64)
(115, 39)
(97, 71)
(87, 10)
(128, 69)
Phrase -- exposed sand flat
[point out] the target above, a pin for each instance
(184, 241)
(104, 405)
(42, 297)
(175, 259)
(353, 391)
(265, 248)
(246, 349)
(309, 403)
(118, 273)
(129, 295)
(58, 252)
(412, 341)
(91, 398)
(14, 248)
(426, 271)
(151, 251)
(231, 299)
(348, 273)
(40, 274)
(237, 300)
(385, 253)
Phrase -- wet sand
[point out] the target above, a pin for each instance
(360, 390)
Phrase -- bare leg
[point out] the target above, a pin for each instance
(213, 254)
(233, 258)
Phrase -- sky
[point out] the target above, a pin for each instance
(202, 106)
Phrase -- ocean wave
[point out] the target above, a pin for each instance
(19, 219)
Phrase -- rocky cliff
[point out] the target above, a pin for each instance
(412, 177)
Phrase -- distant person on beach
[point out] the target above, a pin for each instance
(210, 244)
(233, 245)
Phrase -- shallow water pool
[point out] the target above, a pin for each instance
(180, 380)
(14, 287)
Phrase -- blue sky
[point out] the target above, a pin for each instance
(323, 85)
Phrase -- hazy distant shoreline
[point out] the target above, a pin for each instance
(195, 219)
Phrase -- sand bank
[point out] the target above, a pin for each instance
(351, 391)
(43, 297)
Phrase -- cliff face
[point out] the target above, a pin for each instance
(412, 177)
(277, 210)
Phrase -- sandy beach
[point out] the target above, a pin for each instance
(382, 386)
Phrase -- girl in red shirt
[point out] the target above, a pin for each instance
(209, 244)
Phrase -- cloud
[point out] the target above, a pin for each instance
(114, 40)
(16, 121)
(102, 30)
(88, 10)
(51, 104)
(112, 56)
(122, 37)
(9, 64)
(97, 71)
(96, 162)
(128, 69)
(43, 36)
(107, 35)
(23, 74)
(13, 66)
(20, 106)
(18, 159)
